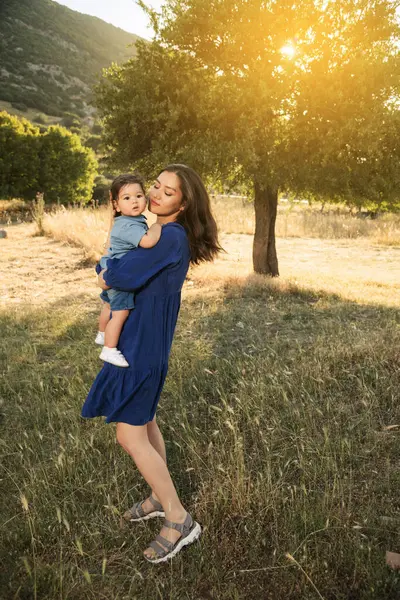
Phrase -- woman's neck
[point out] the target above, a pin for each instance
(164, 219)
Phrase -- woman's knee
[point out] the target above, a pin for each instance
(131, 437)
(152, 426)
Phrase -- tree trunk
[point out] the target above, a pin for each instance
(265, 260)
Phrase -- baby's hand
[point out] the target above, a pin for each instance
(100, 280)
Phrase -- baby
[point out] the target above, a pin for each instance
(129, 230)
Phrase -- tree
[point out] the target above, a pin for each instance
(67, 168)
(54, 162)
(288, 96)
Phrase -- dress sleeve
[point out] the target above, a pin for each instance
(137, 267)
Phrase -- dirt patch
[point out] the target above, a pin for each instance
(39, 270)
(357, 270)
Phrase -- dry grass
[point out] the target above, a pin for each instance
(15, 211)
(280, 413)
(88, 227)
(299, 220)
(39, 271)
(359, 267)
(353, 269)
(13, 204)
(356, 268)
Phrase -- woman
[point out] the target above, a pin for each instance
(130, 396)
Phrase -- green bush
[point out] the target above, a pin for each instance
(19, 158)
(49, 160)
(67, 168)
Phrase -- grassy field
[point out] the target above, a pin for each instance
(281, 418)
(88, 228)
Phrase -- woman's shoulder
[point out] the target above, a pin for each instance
(175, 238)
(174, 231)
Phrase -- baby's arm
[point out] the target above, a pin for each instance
(151, 238)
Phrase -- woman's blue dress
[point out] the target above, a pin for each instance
(156, 275)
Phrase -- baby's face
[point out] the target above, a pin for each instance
(131, 200)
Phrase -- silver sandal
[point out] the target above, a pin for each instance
(190, 531)
(136, 513)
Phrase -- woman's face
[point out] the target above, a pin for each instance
(165, 197)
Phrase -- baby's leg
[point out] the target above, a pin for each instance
(114, 328)
(104, 316)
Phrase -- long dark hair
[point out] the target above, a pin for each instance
(196, 216)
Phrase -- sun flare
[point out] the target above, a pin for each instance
(288, 50)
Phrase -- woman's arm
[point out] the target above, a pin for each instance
(139, 266)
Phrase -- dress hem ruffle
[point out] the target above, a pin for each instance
(125, 395)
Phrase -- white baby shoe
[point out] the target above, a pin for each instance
(99, 338)
(113, 356)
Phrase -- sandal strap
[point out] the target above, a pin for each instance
(183, 528)
(137, 510)
(156, 504)
(168, 545)
(162, 546)
(158, 549)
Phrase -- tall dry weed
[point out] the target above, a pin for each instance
(88, 227)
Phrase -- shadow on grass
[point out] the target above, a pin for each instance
(274, 413)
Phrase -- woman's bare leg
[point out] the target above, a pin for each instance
(134, 439)
(157, 441)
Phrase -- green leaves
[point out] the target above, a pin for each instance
(67, 168)
(19, 164)
(218, 89)
(55, 162)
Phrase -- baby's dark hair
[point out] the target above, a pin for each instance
(121, 181)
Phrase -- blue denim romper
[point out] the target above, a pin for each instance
(125, 235)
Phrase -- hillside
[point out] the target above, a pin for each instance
(51, 56)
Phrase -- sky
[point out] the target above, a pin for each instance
(125, 14)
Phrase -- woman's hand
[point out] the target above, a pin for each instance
(100, 281)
